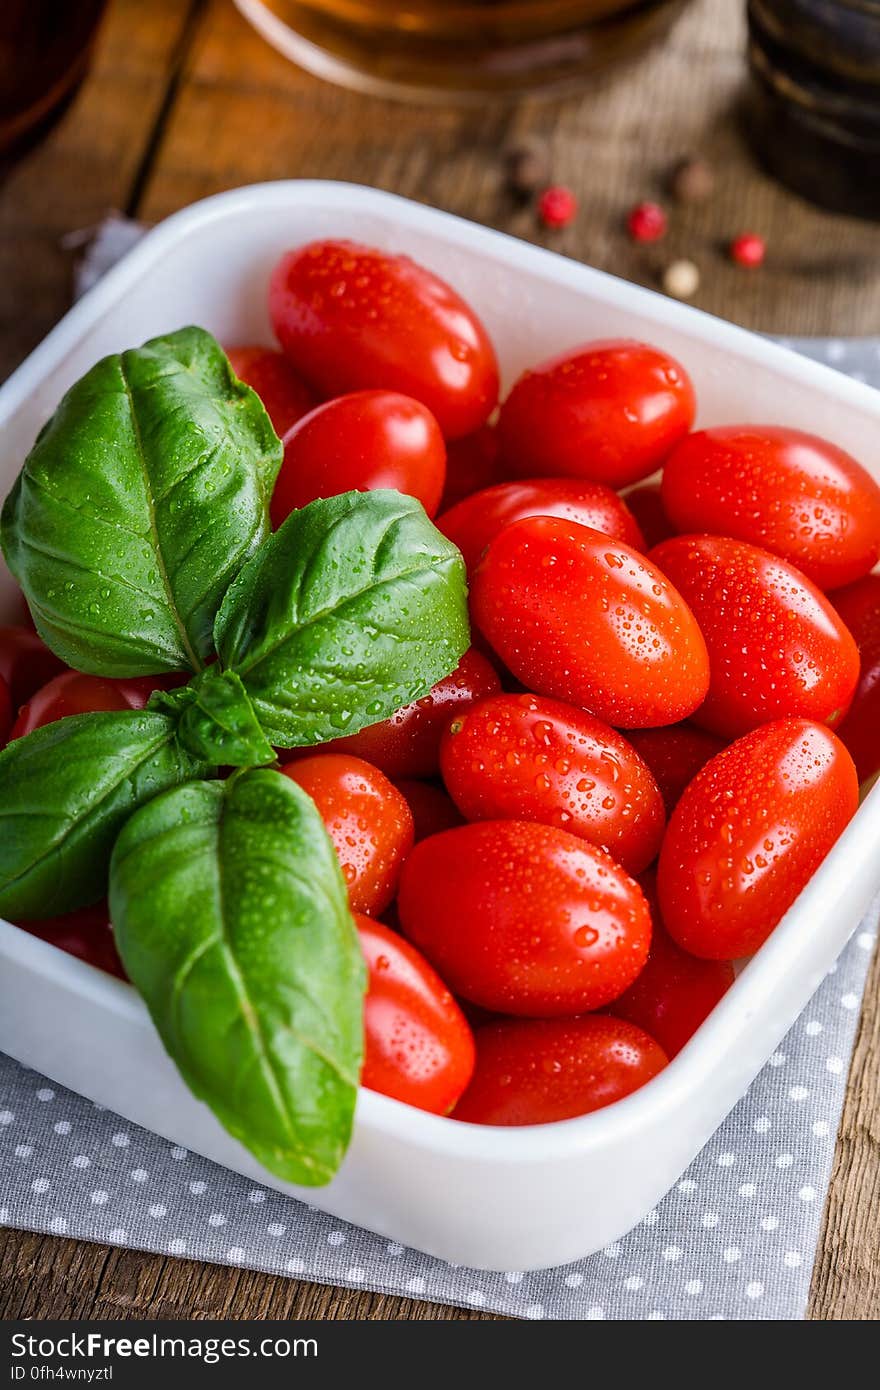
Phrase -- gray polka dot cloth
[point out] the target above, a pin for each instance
(736, 1238)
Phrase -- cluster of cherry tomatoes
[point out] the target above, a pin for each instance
(632, 773)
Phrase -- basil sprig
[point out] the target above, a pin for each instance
(355, 607)
(138, 504)
(232, 919)
(139, 532)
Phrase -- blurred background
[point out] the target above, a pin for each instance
(142, 106)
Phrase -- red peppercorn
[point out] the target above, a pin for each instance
(646, 222)
(557, 206)
(748, 249)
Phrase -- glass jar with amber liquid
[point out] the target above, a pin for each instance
(440, 48)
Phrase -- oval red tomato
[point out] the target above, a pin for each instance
(432, 808)
(524, 918)
(525, 757)
(646, 504)
(676, 991)
(85, 933)
(408, 744)
(472, 463)
(576, 615)
(472, 523)
(537, 1071)
(674, 755)
(791, 493)
(367, 819)
(5, 711)
(353, 318)
(418, 1046)
(26, 663)
(74, 693)
(776, 646)
(749, 832)
(357, 443)
(268, 372)
(610, 411)
(859, 607)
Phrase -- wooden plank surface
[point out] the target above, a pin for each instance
(184, 100)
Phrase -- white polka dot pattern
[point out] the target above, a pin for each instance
(734, 1239)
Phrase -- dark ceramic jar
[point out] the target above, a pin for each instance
(815, 110)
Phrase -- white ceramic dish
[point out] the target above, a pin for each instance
(494, 1198)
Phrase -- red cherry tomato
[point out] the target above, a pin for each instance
(408, 744)
(5, 711)
(86, 934)
(537, 1071)
(472, 463)
(646, 505)
(587, 619)
(352, 318)
(367, 440)
(432, 809)
(472, 523)
(776, 646)
(367, 819)
(859, 607)
(73, 693)
(674, 755)
(25, 663)
(524, 918)
(418, 1046)
(610, 411)
(675, 992)
(524, 757)
(749, 832)
(791, 493)
(284, 395)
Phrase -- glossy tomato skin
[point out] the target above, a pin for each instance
(674, 755)
(86, 934)
(586, 619)
(646, 505)
(526, 757)
(791, 493)
(408, 744)
(352, 318)
(536, 1071)
(418, 1045)
(523, 918)
(472, 523)
(859, 607)
(432, 807)
(748, 833)
(357, 443)
(610, 411)
(676, 991)
(74, 693)
(776, 646)
(472, 463)
(367, 819)
(26, 663)
(5, 711)
(268, 372)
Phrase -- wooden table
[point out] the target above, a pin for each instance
(184, 100)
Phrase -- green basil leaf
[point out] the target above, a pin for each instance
(139, 503)
(232, 919)
(356, 606)
(216, 720)
(66, 790)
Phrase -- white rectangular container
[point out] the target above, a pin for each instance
(494, 1198)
